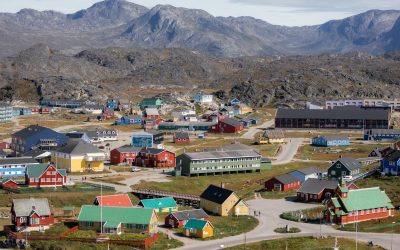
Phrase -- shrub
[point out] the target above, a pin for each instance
(283, 230)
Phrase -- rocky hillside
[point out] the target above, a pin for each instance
(42, 72)
(118, 23)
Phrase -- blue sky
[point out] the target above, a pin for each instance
(283, 12)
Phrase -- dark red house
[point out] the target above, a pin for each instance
(181, 138)
(8, 183)
(179, 219)
(284, 183)
(44, 110)
(316, 190)
(124, 155)
(43, 175)
(4, 145)
(227, 125)
(156, 158)
(32, 213)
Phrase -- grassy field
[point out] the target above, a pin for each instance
(276, 195)
(389, 184)
(121, 169)
(356, 150)
(116, 179)
(56, 229)
(306, 243)
(56, 199)
(376, 226)
(243, 184)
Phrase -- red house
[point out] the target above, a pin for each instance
(43, 175)
(35, 111)
(181, 138)
(356, 205)
(4, 145)
(108, 113)
(151, 113)
(44, 110)
(8, 183)
(31, 213)
(124, 155)
(227, 125)
(179, 219)
(117, 200)
(156, 158)
(284, 183)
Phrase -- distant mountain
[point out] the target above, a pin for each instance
(118, 23)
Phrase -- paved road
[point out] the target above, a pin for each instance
(269, 220)
(252, 131)
(288, 151)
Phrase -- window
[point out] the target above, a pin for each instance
(34, 221)
(362, 212)
(89, 224)
(368, 211)
(384, 209)
(333, 172)
(22, 219)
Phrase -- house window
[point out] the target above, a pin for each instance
(368, 211)
(22, 219)
(34, 221)
(362, 212)
(333, 172)
(89, 224)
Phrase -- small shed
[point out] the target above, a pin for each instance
(68, 211)
(198, 229)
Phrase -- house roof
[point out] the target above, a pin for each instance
(353, 114)
(308, 171)
(274, 134)
(350, 163)
(76, 135)
(35, 171)
(315, 186)
(24, 207)
(151, 111)
(190, 214)
(29, 131)
(394, 156)
(383, 131)
(18, 160)
(128, 149)
(133, 117)
(181, 135)
(216, 194)
(232, 122)
(361, 199)
(159, 203)
(153, 151)
(79, 147)
(37, 153)
(117, 200)
(334, 137)
(196, 224)
(286, 178)
(115, 215)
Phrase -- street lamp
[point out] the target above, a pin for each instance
(391, 239)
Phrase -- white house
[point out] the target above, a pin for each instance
(93, 109)
(203, 98)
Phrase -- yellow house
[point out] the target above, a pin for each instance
(198, 228)
(79, 156)
(223, 202)
(242, 109)
(271, 137)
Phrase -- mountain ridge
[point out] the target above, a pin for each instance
(119, 23)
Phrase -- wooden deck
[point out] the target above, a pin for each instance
(181, 199)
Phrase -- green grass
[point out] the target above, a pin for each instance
(276, 195)
(134, 237)
(121, 169)
(387, 183)
(312, 215)
(306, 243)
(243, 184)
(73, 245)
(164, 242)
(356, 150)
(56, 229)
(283, 230)
(82, 234)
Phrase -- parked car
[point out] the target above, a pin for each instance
(347, 178)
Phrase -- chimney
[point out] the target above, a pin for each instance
(33, 207)
(222, 184)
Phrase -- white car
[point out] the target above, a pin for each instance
(135, 169)
(347, 178)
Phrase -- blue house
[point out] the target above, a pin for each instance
(26, 111)
(234, 101)
(112, 104)
(36, 136)
(72, 104)
(381, 134)
(16, 111)
(391, 163)
(15, 167)
(131, 119)
(331, 140)
(142, 140)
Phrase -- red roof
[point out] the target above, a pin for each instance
(117, 200)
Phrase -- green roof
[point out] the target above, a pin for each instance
(336, 202)
(116, 215)
(35, 171)
(159, 203)
(344, 189)
(366, 198)
(111, 224)
(195, 223)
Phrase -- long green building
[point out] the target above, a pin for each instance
(218, 162)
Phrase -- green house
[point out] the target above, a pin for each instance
(160, 205)
(116, 220)
(218, 162)
(151, 103)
